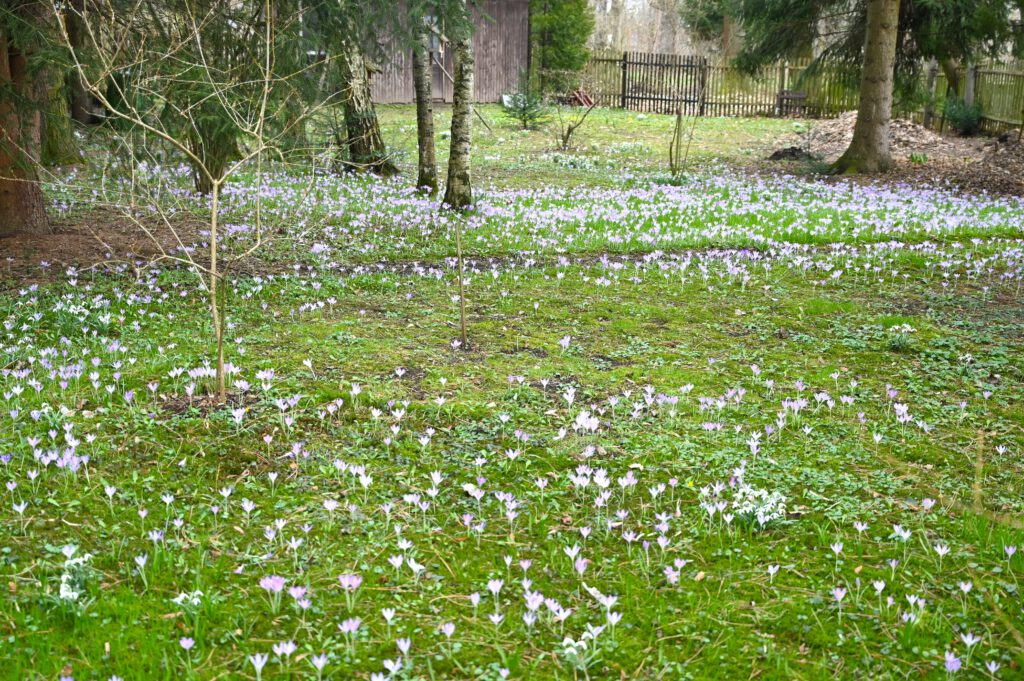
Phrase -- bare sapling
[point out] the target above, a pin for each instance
(198, 84)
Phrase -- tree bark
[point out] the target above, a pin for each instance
(295, 140)
(426, 176)
(730, 37)
(59, 146)
(668, 24)
(869, 148)
(459, 191)
(950, 69)
(22, 207)
(80, 110)
(366, 148)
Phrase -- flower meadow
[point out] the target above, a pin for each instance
(730, 427)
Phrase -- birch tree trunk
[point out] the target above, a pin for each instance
(366, 148)
(426, 176)
(459, 191)
(22, 207)
(869, 148)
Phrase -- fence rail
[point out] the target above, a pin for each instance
(661, 83)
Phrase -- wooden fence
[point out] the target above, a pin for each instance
(640, 81)
(660, 83)
(1000, 92)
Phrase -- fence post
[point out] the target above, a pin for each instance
(702, 106)
(625, 60)
(780, 97)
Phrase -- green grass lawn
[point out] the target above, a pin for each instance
(721, 427)
(609, 144)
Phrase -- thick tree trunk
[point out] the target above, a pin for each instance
(295, 140)
(22, 207)
(366, 148)
(458, 192)
(668, 24)
(59, 147)
(80, 110)
(730, 37)
(950, 69)
(426, 176)
(869, 148)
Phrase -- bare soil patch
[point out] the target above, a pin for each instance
(177, 405)
(99, 240)
(994, 165)
(828, 139)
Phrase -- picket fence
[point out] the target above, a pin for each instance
(662, 83)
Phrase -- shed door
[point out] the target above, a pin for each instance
(442, 72)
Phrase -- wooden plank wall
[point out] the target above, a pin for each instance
(501, 51)
(392, 83)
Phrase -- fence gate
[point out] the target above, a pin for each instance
(659, 83)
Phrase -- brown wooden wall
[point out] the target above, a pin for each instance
(500, 46)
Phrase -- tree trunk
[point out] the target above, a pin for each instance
(668, 23)
(295, 141)
(459, 191)
(22, 207)
(869, 148)
(366, 148)
(730, 37)
(59, 147)
(928, 116)
(950, 69)
(426, 176)
(80, 110)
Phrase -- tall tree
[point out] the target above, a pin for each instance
(366, 148)
(458, 192)
(426, 175)
(560, 31)
(869, 148)
(22, 206)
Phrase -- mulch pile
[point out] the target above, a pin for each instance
(791, 154)
(999, 170)
(975, 164)
(828, 139)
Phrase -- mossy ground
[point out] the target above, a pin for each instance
(700, 351)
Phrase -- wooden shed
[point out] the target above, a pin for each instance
(501, 49)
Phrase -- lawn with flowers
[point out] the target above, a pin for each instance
(725, 426)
